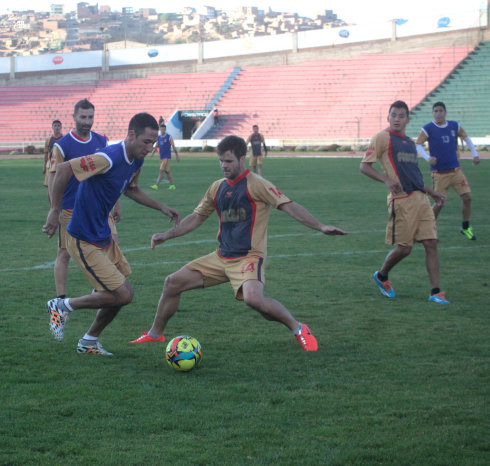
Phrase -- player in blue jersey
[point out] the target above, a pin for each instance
(256, 141)
(411, 217)
(442, 136)
(79, 141)
(165, 144)
(103, 177)
(242, 201)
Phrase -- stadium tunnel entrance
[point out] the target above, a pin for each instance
(191, 120)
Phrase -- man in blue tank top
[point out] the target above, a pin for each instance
(442, 136)
(79, 141)
(165, 144)
(103, 177)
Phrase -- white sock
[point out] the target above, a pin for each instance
(90, 337)
(298, 330)
(66, 302)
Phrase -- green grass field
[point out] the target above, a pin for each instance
(402, 381)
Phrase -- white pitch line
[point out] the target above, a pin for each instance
(49, 265)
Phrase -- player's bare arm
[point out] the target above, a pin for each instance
(190, 223)
(63, 174)
(439, 198)
(300, 214)
(172, 143)
(137, 195)
(368, 170)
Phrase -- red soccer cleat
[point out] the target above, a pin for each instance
(306, 339)
(145, 338)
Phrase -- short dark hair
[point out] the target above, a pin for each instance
(163, 125)
(439, 104)
(55, 121)
(399, 104)
(233, 144)
(140, 121)
(85, 104)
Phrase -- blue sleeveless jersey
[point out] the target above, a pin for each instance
(164, 146)
(71, 147)
(443, 144)
(96, 196)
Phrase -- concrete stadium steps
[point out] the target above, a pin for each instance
(332, 98)
(117, 100)
(30, 110)
(316, 99)
(465, 92)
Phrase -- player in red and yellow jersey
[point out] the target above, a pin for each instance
(242, 201)
(48, 149)
(411, 216)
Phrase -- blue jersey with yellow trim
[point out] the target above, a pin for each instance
(97, 195)
(72, 147)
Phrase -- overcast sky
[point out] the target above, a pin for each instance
(355, 11)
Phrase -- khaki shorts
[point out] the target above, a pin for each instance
(105, 268)
(441, 182)
(165, 165)
(65, 220)
(217, 270)
(256, 160)
(411, 220)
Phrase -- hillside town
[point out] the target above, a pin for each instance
(96, 27)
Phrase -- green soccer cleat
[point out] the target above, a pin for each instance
(468, 232)
(154, 186)
(172, 186)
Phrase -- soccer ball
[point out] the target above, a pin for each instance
(183, 353)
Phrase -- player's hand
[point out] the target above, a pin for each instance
(439, 198)
(394, 186)
(333, 231)
(52, 223)
(116, 213)
(157, 238)
(432, 160)
(173, 214)
(476, 160)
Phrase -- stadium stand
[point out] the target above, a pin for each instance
(27, 111)
(336, 98)
(117, 100)
(466, 93)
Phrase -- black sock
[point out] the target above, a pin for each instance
(62, 296)
(382, 278)
(435, 291)
(466, 224)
